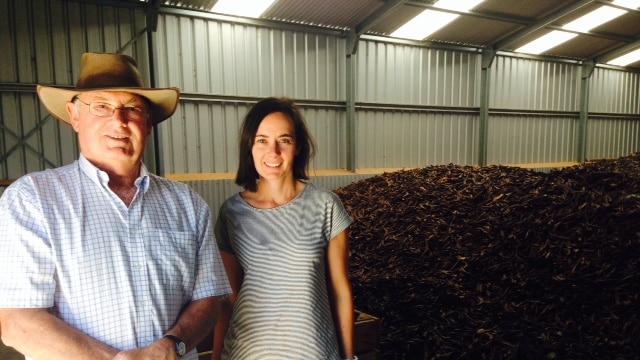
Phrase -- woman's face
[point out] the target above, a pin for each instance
(274, 147)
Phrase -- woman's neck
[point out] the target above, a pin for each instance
(271, 194)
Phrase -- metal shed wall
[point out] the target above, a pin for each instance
(534, 111)
(613, 128)
(223, 68)
(202, 136)
(614, 92)
(611, 137)
(390, 73)
(42, 43)
(534, 85)
(413, 106)
(531, 139)
(206, 56)
(391, 139)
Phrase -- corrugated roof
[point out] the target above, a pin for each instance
(498, 25)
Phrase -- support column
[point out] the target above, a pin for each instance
(352, 43)
(587, 71)
(485, 86)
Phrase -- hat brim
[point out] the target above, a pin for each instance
(164, 102)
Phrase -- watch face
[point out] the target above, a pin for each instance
(181, 348)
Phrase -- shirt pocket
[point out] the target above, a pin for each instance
(172, 259)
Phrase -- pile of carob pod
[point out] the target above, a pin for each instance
(498, 262)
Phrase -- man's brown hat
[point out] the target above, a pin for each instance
(110, 72)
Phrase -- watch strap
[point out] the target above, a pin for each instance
(178, 344)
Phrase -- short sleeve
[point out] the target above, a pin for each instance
(221, 230)
(340, 219)
(27, 268)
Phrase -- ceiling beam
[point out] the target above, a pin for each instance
(546, 22)
(533, 26)
(617, 52)
(473, 13)
(365, 25)
(361, 28)
(595, 34)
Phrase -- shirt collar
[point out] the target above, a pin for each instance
(102, 178)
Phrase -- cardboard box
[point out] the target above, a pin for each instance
(366, 333)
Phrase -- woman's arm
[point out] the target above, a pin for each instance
(340, 292)
(225, 306)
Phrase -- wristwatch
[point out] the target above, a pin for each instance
(181, 348)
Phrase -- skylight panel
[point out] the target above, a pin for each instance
(628, 58)
(247, 8)
(430, 21)
(423, 25)
(584, 23)
(629, 4)
(457, 5)
(594, 19)
(546, 42)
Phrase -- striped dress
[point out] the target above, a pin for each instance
(282, 310)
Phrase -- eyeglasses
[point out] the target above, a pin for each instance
(104, 109)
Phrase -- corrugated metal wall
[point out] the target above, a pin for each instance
(534, 111)
(409, 139)
(42, 43)
(534, 85)
(614, 92)
(414, 106)
(202, 137)
(614, 128)
(207, 58)
(410, 75)
(531, 139)
(611, 137)
(223, 68)
(210, 57)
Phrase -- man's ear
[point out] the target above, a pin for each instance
(72, 110)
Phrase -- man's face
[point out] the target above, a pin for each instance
(112, 128)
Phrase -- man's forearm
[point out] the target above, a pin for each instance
(39, 335)
(196, 321)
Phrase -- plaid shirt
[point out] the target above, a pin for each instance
(119, 274)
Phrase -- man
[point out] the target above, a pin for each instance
(101, 259)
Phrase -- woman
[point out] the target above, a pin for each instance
(284, 245)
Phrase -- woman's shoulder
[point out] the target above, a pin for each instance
(233, 200)
(320, 192)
